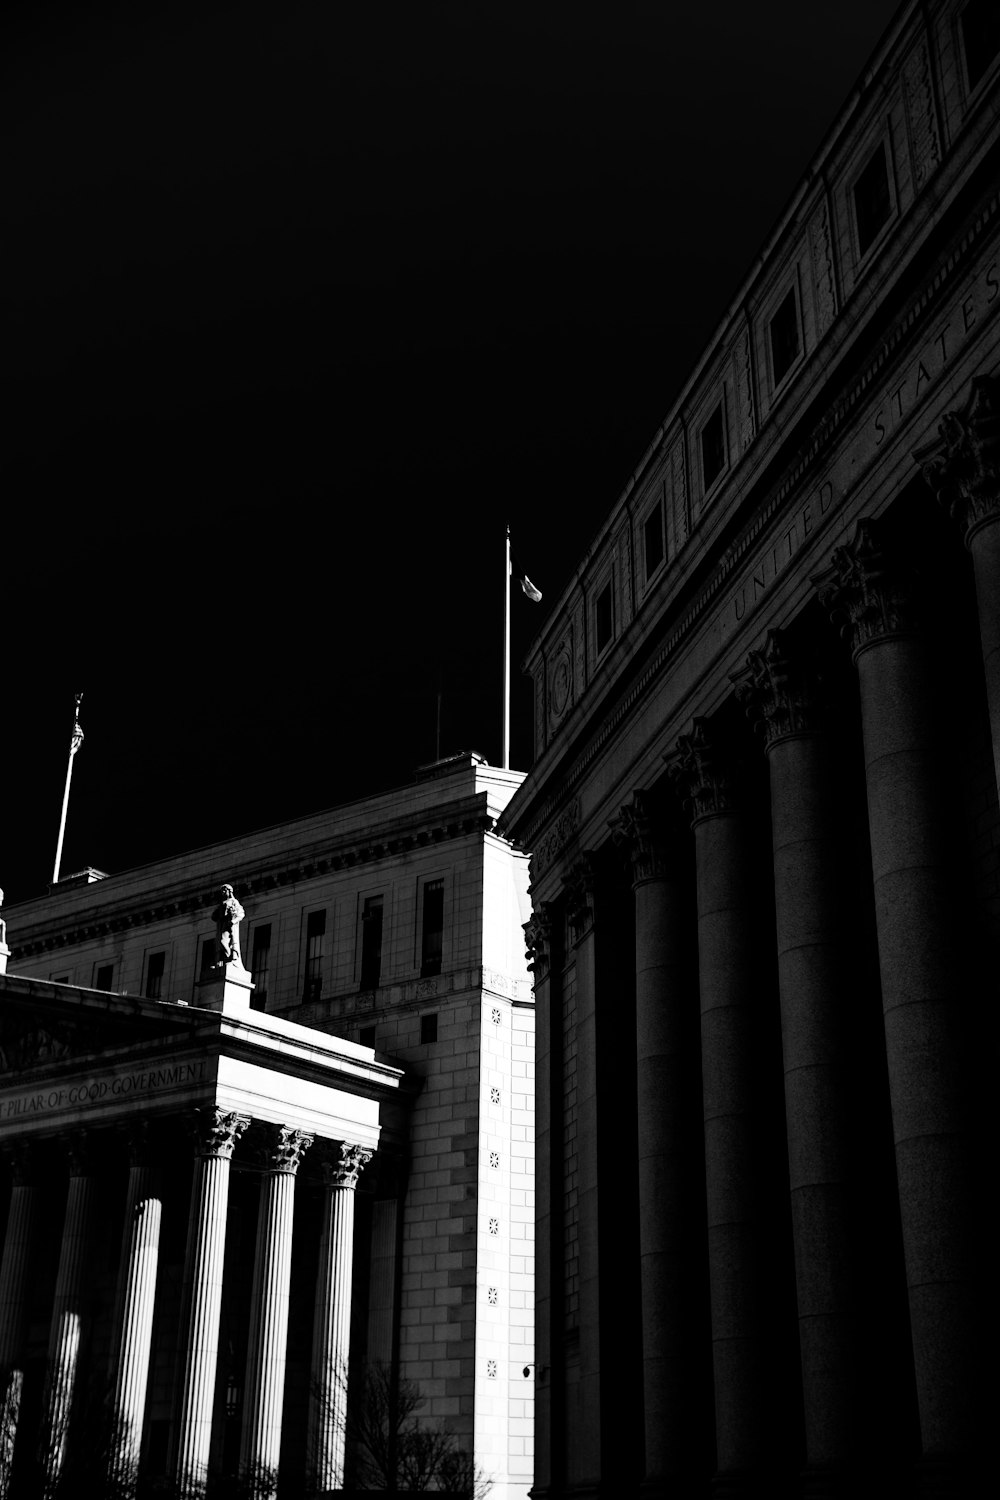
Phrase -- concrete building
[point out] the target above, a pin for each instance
(366, 1078)
(764, 831)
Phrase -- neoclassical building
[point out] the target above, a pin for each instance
(763, 821)
(243, 1178)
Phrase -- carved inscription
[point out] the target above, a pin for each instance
(772, 563)
(140, 1081)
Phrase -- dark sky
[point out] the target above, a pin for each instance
(302, 307)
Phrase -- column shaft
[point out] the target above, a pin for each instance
(545, 1374)
(14, 1271)
(984, 544)
(134, 1321)
(68, 1324)
(583, 1405)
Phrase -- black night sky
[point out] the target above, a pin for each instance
(304, 303)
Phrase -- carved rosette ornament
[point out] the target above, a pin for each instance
(345, 1169)
(780, 692)
(580, 897)
(865, 593)
(216, 1132)
(962, 465)
(635, 831)
(704, 776)
(538, 941)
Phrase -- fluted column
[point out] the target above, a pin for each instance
(922, 993)
(15, 1270)
(133, 1327)
(815, 989)
(665, 1133)
(538, 941)
(962, 467)
(265, 1375)
(216, 1134)
(332, 1321)
(68, 1313)
(704, 776)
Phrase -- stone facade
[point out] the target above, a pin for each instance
(764, 831)
(387, 934)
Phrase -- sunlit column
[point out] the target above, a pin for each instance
(15, 1271)
(268, 1336)
(332, 1321)
(68, 1313)
(133, 1327)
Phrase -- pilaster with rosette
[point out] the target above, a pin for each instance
(780, 691)
(962, 464)
(866, 592)
(216, 1131)
(705, 775)
(636, 832)
(538, 941)
(580, 883)
(344, 1167)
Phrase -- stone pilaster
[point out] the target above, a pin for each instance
(538, 935)
(133, 1326)
(962, 467)
(216, 1134)
(265, 1375)
(68, 1329)
(782, 693)
(919, 960)
(707, 780)
(332, 1321)
(664, 1061)
(15, 1269)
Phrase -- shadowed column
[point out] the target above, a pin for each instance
(814, 980)
(68, 1326)
(14, 1274)
(216, 1133)
(133, 1336)
(268, 1336)
(332, 1321)
(727, 980)
(922, 993)
(538, 938)
(962, 467)
(666, 1138)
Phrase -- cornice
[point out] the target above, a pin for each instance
(936, 287)
(94, 924)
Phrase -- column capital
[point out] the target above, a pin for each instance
(865, 591)
(635, 831)
(962, 464)
(77, 1148)
(215, 1131)
(20, 1159)
(780, 690)
(345, 1167)
(705, 777)
(282, 1147)
(580, 882)
(538, 941)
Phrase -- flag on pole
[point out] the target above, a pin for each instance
(76, 738)
(527, 587)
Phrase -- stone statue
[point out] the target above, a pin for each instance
(228, 916)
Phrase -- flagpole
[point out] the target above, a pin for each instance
(506, 656)
(75, 741)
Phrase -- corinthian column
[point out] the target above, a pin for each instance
(265, 1378)
(216, 1133)
(133, 1328)
(815, 990)
(538, 945)
(663, 1062)
(332, 1322)
(922, 993)
(704, 777)
(67, 1330)
(962, 467)
(14, 1273)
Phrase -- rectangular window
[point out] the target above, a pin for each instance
(432, 929)
(652, 541)
(156, 965)
(784, 336)
(104, 976)
(315, 945)
(371, 943)
(428, 1029)
(260, 964)
(366, 1036)
(980, 37)
(872, 201)
(209, 955)
(713, 448)
(604, 618)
